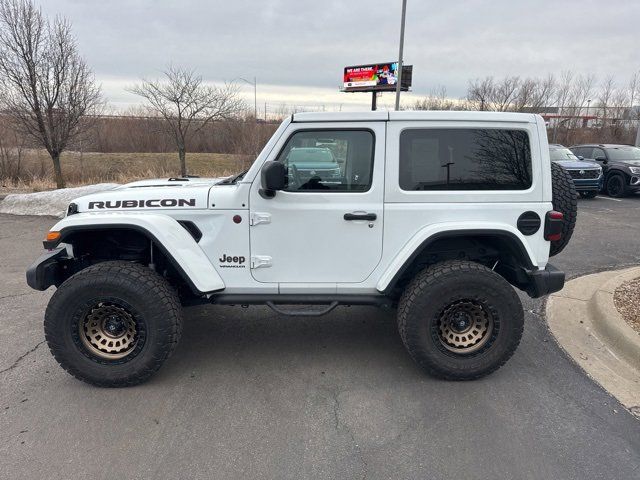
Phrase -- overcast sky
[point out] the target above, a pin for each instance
(298, 48)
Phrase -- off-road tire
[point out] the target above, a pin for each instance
(616, 185)
(565, 201)
(431, 293)
(153, 306)
(590, 194)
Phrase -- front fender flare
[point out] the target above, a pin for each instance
(167, 234)
(433, 232)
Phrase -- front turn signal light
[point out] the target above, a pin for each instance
(53, 236)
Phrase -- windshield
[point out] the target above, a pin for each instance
(624, 154)
(560, 154)
(310, 155)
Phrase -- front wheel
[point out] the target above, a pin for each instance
(460, 320)
(616, 186)
(113, 324)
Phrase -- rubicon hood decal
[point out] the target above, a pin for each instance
(151, 203)
(147, 198)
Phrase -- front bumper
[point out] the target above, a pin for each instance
(634, 184)
(544, 282)
(45, 271)
(588, 185)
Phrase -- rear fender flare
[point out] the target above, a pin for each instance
(427, 235)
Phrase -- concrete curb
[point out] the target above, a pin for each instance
(586, 324)
(623, 339)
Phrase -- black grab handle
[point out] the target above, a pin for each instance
(360, 216)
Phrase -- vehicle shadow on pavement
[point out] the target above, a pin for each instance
(258, 340)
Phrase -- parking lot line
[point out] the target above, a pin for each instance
(609, 198)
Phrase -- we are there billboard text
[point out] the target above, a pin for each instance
(375, 77)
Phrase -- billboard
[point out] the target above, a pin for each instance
(375, 77)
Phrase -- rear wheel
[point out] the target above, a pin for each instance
(113, 324)
(460, 320)
(616, 186)
(591, 194)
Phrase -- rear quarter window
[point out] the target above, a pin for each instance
(465, 159)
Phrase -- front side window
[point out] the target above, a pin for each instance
(465, 159)
(582, 152)
(328, 160)
(599, 154)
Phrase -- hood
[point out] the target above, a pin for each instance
(625, 163)
(577, 164)
(161, 194)
(174, 182)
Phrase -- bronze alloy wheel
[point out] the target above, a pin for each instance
(465, 326)
(113, 324)
(109, 331)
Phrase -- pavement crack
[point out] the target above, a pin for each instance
(18, 295)
(345, 427)
(22, 357)
(571, 298)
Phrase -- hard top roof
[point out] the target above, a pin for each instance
(410, 115)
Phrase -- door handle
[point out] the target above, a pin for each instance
(360, 216)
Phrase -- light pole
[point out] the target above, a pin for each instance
(255, 95)
(399, 79)
(588, 105)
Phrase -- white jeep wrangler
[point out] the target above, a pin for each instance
(437, 214)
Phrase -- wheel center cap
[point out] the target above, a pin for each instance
(460, 321)
(114, 326)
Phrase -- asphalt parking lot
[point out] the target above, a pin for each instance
(251, 394)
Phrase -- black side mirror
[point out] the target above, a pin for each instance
(601, 159)
(580, 157)
(273, 176)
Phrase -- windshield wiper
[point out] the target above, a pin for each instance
(234, 179)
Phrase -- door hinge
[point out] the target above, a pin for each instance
(260, 261)
(258, 217)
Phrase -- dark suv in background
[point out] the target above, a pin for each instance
(621, 165)
(586, 174)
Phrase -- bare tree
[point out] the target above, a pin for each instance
(12, 147)
(634, 93)
(525, 95)
(187, 104)
(504, 94)
(605, 98)
(46, 86)
(437, 100)
(535, 94)
(480, 93)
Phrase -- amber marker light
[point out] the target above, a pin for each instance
(53, 236)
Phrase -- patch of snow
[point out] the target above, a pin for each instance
(51, 203)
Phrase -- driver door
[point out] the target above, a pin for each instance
(326, 225)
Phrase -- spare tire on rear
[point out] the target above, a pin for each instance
(565, 201)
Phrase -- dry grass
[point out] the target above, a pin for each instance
(94, 167)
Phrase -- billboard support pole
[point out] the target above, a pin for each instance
(399, 79)
(374, 101)
(255, 95)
